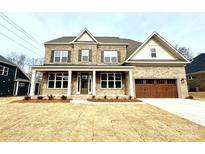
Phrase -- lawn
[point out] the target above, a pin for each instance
(93, 122)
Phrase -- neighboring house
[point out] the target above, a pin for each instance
(85, 65)
(13, 81)
(195, 72)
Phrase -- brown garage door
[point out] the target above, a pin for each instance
(156, 88)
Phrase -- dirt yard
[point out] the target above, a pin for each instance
(198, 95)
(93, 122)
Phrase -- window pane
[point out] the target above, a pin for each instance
(1, 68)
(85, 58)
(85, 52)
(117, 76)
(51, 76)
(58, 76)
(1, 72)
(51, 84)
(103, 76)
(64, 59)
(57, 54)
(64, 53)
(153, 52)
(57, 59)
(110, 76)
(107, 59)
(65, 77)
(114, 59)
(117, 84)
(5, 73)
(65, 84)
(58, 84)
(103, 84)
(111, 84)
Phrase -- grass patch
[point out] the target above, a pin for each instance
(113, 100)
(42, 101)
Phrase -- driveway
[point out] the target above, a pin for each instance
(193, 110)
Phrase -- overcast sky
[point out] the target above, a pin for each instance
(185, 29)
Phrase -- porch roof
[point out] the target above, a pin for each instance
(82, 68)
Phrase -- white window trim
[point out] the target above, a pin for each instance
(85, 56)
(3, 71)
(110, 56)
(61, 56)
(112, 80)
(56, 80)
(151, 51)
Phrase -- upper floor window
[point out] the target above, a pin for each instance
(60, 56)
(153, 53)
(110, 56)
(4, 70)
(85, 55)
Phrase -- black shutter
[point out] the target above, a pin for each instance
(102, 56)
(52, 56)
(119, 56)
(90, 55)
(69, 56)
(79, 55)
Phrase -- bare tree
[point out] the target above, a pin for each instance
(31, 62)
(18, 59)
(185, 51)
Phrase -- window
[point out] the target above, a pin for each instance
(60, 56)
(57, 80)
(153, 53)
(110, 56)
(190, 77)
(111, 80)
(85, 55)
(4, 70)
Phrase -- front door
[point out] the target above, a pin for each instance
(84, 83)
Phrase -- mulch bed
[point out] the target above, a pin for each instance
(114, 100)
(42, 101)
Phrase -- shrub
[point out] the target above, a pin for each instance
(93, 97)
(27, 97)
(130, 97)
(189, 97)
(117, 97)
(50, 97)
(40, 97)
(105, 97)
(63, 97)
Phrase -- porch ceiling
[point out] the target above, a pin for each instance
(83, 68)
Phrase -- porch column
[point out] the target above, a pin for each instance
(17, 88)
(33, 78)
(131, 83)
(94, 82)
(69, 83)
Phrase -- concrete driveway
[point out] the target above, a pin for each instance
(192, 110)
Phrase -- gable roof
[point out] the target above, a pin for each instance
(155, 34)
(197, 65)
(8, 62)
(132, 45)
(81, 33)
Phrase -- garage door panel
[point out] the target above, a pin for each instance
(156, 88)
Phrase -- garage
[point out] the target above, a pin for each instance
(156, 88)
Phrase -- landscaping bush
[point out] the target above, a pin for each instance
(105, 97)
(117, 97)
(40, 97)
(130, 97)
(50, 97)
(189, 97)
(27, 97)
(93, 97)
(63, 97)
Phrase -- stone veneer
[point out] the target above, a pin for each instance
(166, 72)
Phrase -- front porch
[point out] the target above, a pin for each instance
(82, 82)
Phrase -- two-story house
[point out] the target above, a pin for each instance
(87, 65)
